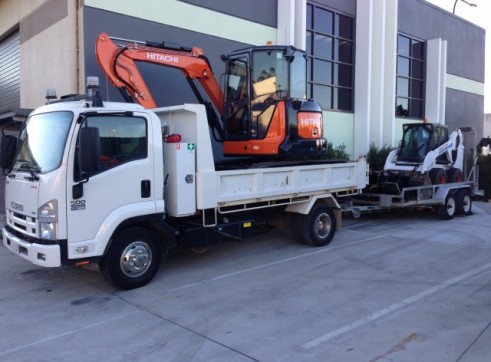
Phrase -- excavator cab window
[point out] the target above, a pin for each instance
(256, 80)
(237, 98)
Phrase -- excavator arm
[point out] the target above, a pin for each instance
(118, 61)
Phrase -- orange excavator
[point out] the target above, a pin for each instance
(263, 110)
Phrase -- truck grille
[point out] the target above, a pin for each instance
(22, 223)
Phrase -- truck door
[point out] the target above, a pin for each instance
(122, 187)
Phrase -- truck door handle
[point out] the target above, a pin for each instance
(145, 189)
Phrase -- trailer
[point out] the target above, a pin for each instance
(438, 172)
(448, 199)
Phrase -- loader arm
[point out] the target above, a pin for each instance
(118, 61)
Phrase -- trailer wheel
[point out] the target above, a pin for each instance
(319, 226)
(356, 213)
(448, 209)
(133, 259)
(464, 202)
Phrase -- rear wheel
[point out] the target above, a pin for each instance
(319, 226)
(455, 175)
(133, 259)
(448, 209)
(438, 176)
(464, 202)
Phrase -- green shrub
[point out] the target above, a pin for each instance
(337, 153)
(376, 156)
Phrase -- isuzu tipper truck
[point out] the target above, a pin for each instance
(119, 185)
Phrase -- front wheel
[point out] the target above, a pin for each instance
(448, 210)
(319, 226)
(133, 259)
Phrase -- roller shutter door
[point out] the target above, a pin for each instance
(10, 73)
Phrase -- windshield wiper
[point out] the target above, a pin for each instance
(26, 165)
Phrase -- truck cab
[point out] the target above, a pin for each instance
(57, 186)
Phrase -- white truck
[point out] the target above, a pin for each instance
(118, 185)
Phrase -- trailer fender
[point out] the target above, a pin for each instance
(448, 189)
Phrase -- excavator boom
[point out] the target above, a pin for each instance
(117, 59)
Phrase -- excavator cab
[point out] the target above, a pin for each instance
(265, 106)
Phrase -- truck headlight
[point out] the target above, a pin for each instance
(48, 217)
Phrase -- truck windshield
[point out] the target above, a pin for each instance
(42, 142)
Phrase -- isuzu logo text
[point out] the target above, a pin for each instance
(162, 58)
(17, 206)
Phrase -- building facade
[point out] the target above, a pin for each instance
(373, 64)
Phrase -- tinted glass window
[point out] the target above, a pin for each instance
(410, 77)
(330, 49)
(122, 139)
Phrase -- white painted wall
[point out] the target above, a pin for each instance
(50, 60)
(436, 68)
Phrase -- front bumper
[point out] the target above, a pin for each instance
(38, 254)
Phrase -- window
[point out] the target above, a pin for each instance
(121, 138)
(330, 51)
(410, 77)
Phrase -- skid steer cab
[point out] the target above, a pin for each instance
(427, 155)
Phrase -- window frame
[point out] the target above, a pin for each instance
(332, 86)
(109, 161)
(409, 97)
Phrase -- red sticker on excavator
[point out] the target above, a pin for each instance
(309, 125)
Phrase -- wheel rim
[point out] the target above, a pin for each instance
(323, 225)
(451, 206)
(136, 259)
(466, 203)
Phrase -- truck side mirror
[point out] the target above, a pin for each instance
(89, 151)
(7, 151)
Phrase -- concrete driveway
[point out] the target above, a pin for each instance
(403, 286)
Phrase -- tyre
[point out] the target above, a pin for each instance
(464, 202)
(133, 258)
(438, 176)
(319, 226)
(449, 209)
(455, 175)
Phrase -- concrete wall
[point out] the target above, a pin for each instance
(12, 11)
(487, 125)
(57, 42)
(464, 78)
(48, 46)
(345, 6)
(168, 86)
